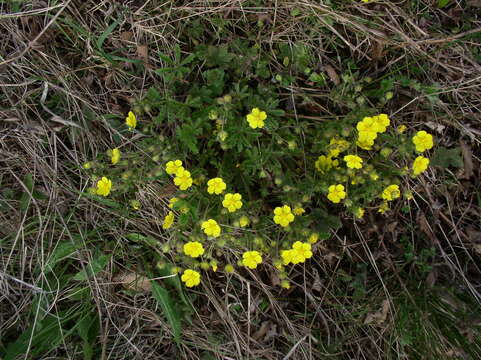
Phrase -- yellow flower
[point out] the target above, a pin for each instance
(103, 186)
(420, 164)
(381, 122)
(286, 284)
(87, 165)
(313, 238)
(244, 221)
(182, 179)
(131, 120)
(211, 228)
(353, 161)
(193, 249)
(287, 256)
(401, 128)
(229, 268)
(359, 213)
(251, 259)
(191, 278)
(216, 186)
(256, 118)
(366, 139)
(283, 215)
(298, 211)
(213, 264)
(423, 141)
(367, 125)
(337, 146)
(173, 166)
(172, 202)
(232, 202)
(336, 193)
(115, 156)
(391, 192)
(373, 175)
(325, 163)
(301, 252)
(168, 220)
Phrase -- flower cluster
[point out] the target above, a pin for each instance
(368, 129)
(297, 254)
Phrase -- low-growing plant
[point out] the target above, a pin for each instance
(254, 183)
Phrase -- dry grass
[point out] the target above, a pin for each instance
(56, 86)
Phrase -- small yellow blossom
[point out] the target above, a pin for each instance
(131, 120)
(283, 215)
(173, 166)
(383, 207)
(337, 146)
(367, 125)
(353, 161)
(359, 212)
(256, 118)
(211, 228)
(366, 139)
(391, 192)
(168, 220)
(420, 164)
(103, 186)
(401, 128)
(193, 249)
(336, 193)
(244, 221)
(325, 163)
(423, 141)
(251, 259)
(191, 278)
(216, 186)
(114, 156)
(301, 252)
(87, 165)
(373, 175)
(172, 202)
(232, 202)
(183, 179)
(381, 122)
(287, 256)
(313, 238)
(213, 265)
(285, 284)
(298, 211)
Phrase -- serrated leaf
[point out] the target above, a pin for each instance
(187, 135)
(445, 157)
(173, 317)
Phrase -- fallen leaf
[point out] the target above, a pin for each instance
(126, 35)
(380, 316)
(332, 74)
(468, 160)
(435, 126)
(377, 50)
(133, 281)
(143, 53)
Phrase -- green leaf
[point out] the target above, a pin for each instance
(187, 134)
(93, 268)
(63, 250)
(445, 158)
(173, 317)
(106, 33)
(442, 3)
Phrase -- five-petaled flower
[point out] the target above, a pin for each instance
(336, 193)
(391, 192)
(211, 228)
(193, 249)
(191, 278)
(423, 141)
(103, 186)
(173, 166)
(216, 186)
(256, 118)
(251, 259)
(183, 179)
(420, 164)
(131, 120)
(232, 202)
(301, 252)
(381, 122)
(283, 215)
(353, 161)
